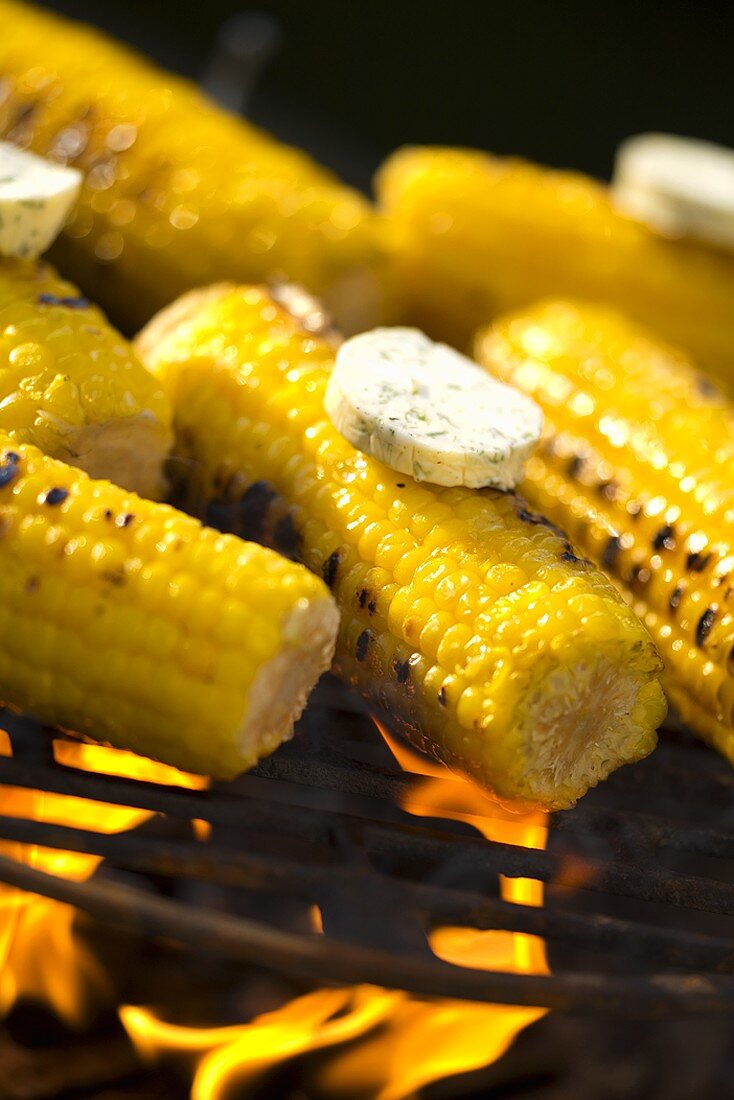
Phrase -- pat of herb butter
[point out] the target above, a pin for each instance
(427, 411)
(36, 197)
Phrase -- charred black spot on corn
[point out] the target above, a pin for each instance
(703, 628)
(575, 465)
(330, 568)
(363, 644)
(9, 468)
(286, 536)
(75, 302)
(125, 521)
(115, 577)
(569, 555)
(362, 597)
(254, 507)
(33, 584)
(185, 438)
(24, 113)
(665, 538)
(55, 496)
(611, 551)
(534, 518)
(675, 597)
(696, 563)
(706, 387)
(220, 514)
(372, 606)
(402, 670)
(639, 576)
(442, 697)
(400, 484)
(108, 514)
(608, 489)
(234, 512)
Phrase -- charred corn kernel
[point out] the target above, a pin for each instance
(445, 609)
(636, 464)
(476, 235)
(115, 623)
(177, 191)
(72, 386)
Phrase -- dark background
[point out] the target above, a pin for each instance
(560, 81)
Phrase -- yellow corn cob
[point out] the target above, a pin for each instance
(177, 192)
(467, 622)
(479, 235)
(636, 463)
(130, 622)
(70, 384)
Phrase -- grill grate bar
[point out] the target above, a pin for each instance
(644, 882)
(322, 960)
(441, 904)
(321, 823)
(216, 807)
(684, 760)
(265, 798)
(338, 773)
(365, 780)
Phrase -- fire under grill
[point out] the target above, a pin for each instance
(639, 904)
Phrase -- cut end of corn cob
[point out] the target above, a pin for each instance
(282, 686)
(593, 713)
(72, 386)
(636, 462)
(131, 450)
(130, 623)
(468, 622)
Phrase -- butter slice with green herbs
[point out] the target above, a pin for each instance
(36, 197)
(427, 411)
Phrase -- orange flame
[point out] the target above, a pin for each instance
(381, 1043)
(231, 1057)
(426, 1040)
(442, 794)
(42, 958)
(15, 802)
(374, 1042)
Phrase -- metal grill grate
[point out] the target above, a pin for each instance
(639, 913)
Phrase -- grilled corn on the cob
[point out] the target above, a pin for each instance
(467, 621)
(636, 464)
(177, 191)
(72, 386)
(477, 235)
(131, 623)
